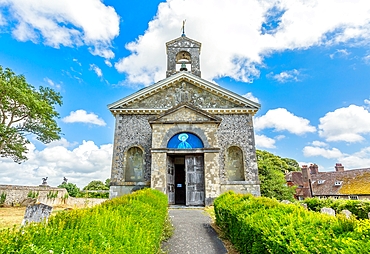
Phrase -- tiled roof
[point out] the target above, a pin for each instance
(349, 182)
(356, 181)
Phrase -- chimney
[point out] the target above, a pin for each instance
(305, 174)
(339, 167)
(314, 169)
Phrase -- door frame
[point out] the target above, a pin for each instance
(171, 193)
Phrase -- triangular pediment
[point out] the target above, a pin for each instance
(182, 42)
(185, 113)
(184, 87)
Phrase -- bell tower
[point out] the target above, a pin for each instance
(183, 55)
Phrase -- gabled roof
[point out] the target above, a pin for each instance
(250, 106)
(353, 182)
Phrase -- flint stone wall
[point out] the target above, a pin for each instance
(16, 194)
(130, 131)
(237, 130)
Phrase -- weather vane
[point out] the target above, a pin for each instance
(183, 27)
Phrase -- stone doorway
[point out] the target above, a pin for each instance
(185, 180)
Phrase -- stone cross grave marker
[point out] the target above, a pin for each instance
(37, 213)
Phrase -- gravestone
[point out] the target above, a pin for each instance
(286, 202)
(328, 211)
(36, 213)
(346, 213)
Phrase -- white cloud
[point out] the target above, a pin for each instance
(366, 59)
(81, 116)
(345, 124)
(65, 22)
(339, 53)
(367, 102)
(247, 32)
(250, 96)
(76, 61)
(319, 143)
(279, 137)
(350, 161)
(282, 120)
(358, 159)
(286, 76)
(264, 142)
(108, 63)
(333, 153)
(52, 83)
(96, 69)
(2, 20)
(81, 165)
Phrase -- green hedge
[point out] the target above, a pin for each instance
(264, 225)
(359, 208)
(128, 224)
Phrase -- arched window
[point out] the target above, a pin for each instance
(234, 164)
(134, 165)
(185, 140)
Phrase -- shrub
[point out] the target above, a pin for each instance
(33, 194)
(129, 224)
(264, 225)
(52, 195)
(2, 198)
(359, 208)
(71, 188)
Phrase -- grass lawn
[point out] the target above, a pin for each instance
(10, 216)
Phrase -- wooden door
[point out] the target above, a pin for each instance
(170, 180)
(194, 167)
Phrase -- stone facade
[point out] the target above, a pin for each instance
(184, 104)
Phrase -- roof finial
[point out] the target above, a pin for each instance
(183, 28)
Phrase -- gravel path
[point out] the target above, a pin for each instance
(193, 234)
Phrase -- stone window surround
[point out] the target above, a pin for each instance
(125, 154)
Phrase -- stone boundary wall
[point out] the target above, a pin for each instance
(16, 194)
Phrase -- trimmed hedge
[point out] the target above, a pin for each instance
(128, 224)
(359, 208)
(264, 225)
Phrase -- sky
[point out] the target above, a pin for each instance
(307, 62)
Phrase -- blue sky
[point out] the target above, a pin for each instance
(306, 62)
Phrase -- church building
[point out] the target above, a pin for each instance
(184, 136)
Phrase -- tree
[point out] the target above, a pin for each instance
(107, 183)
(71, 188)
(96, 185)
(271, 170)
(25, 110)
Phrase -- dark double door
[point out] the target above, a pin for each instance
(185, 180)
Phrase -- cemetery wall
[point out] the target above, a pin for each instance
(53, 196)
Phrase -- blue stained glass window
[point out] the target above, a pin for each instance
(185, 140)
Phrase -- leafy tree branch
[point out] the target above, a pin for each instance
(25, 110)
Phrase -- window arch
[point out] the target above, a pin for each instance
(234, 164)
(185, 140)
(134, 165)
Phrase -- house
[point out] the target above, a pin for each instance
(184, 136)
(344, 184)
